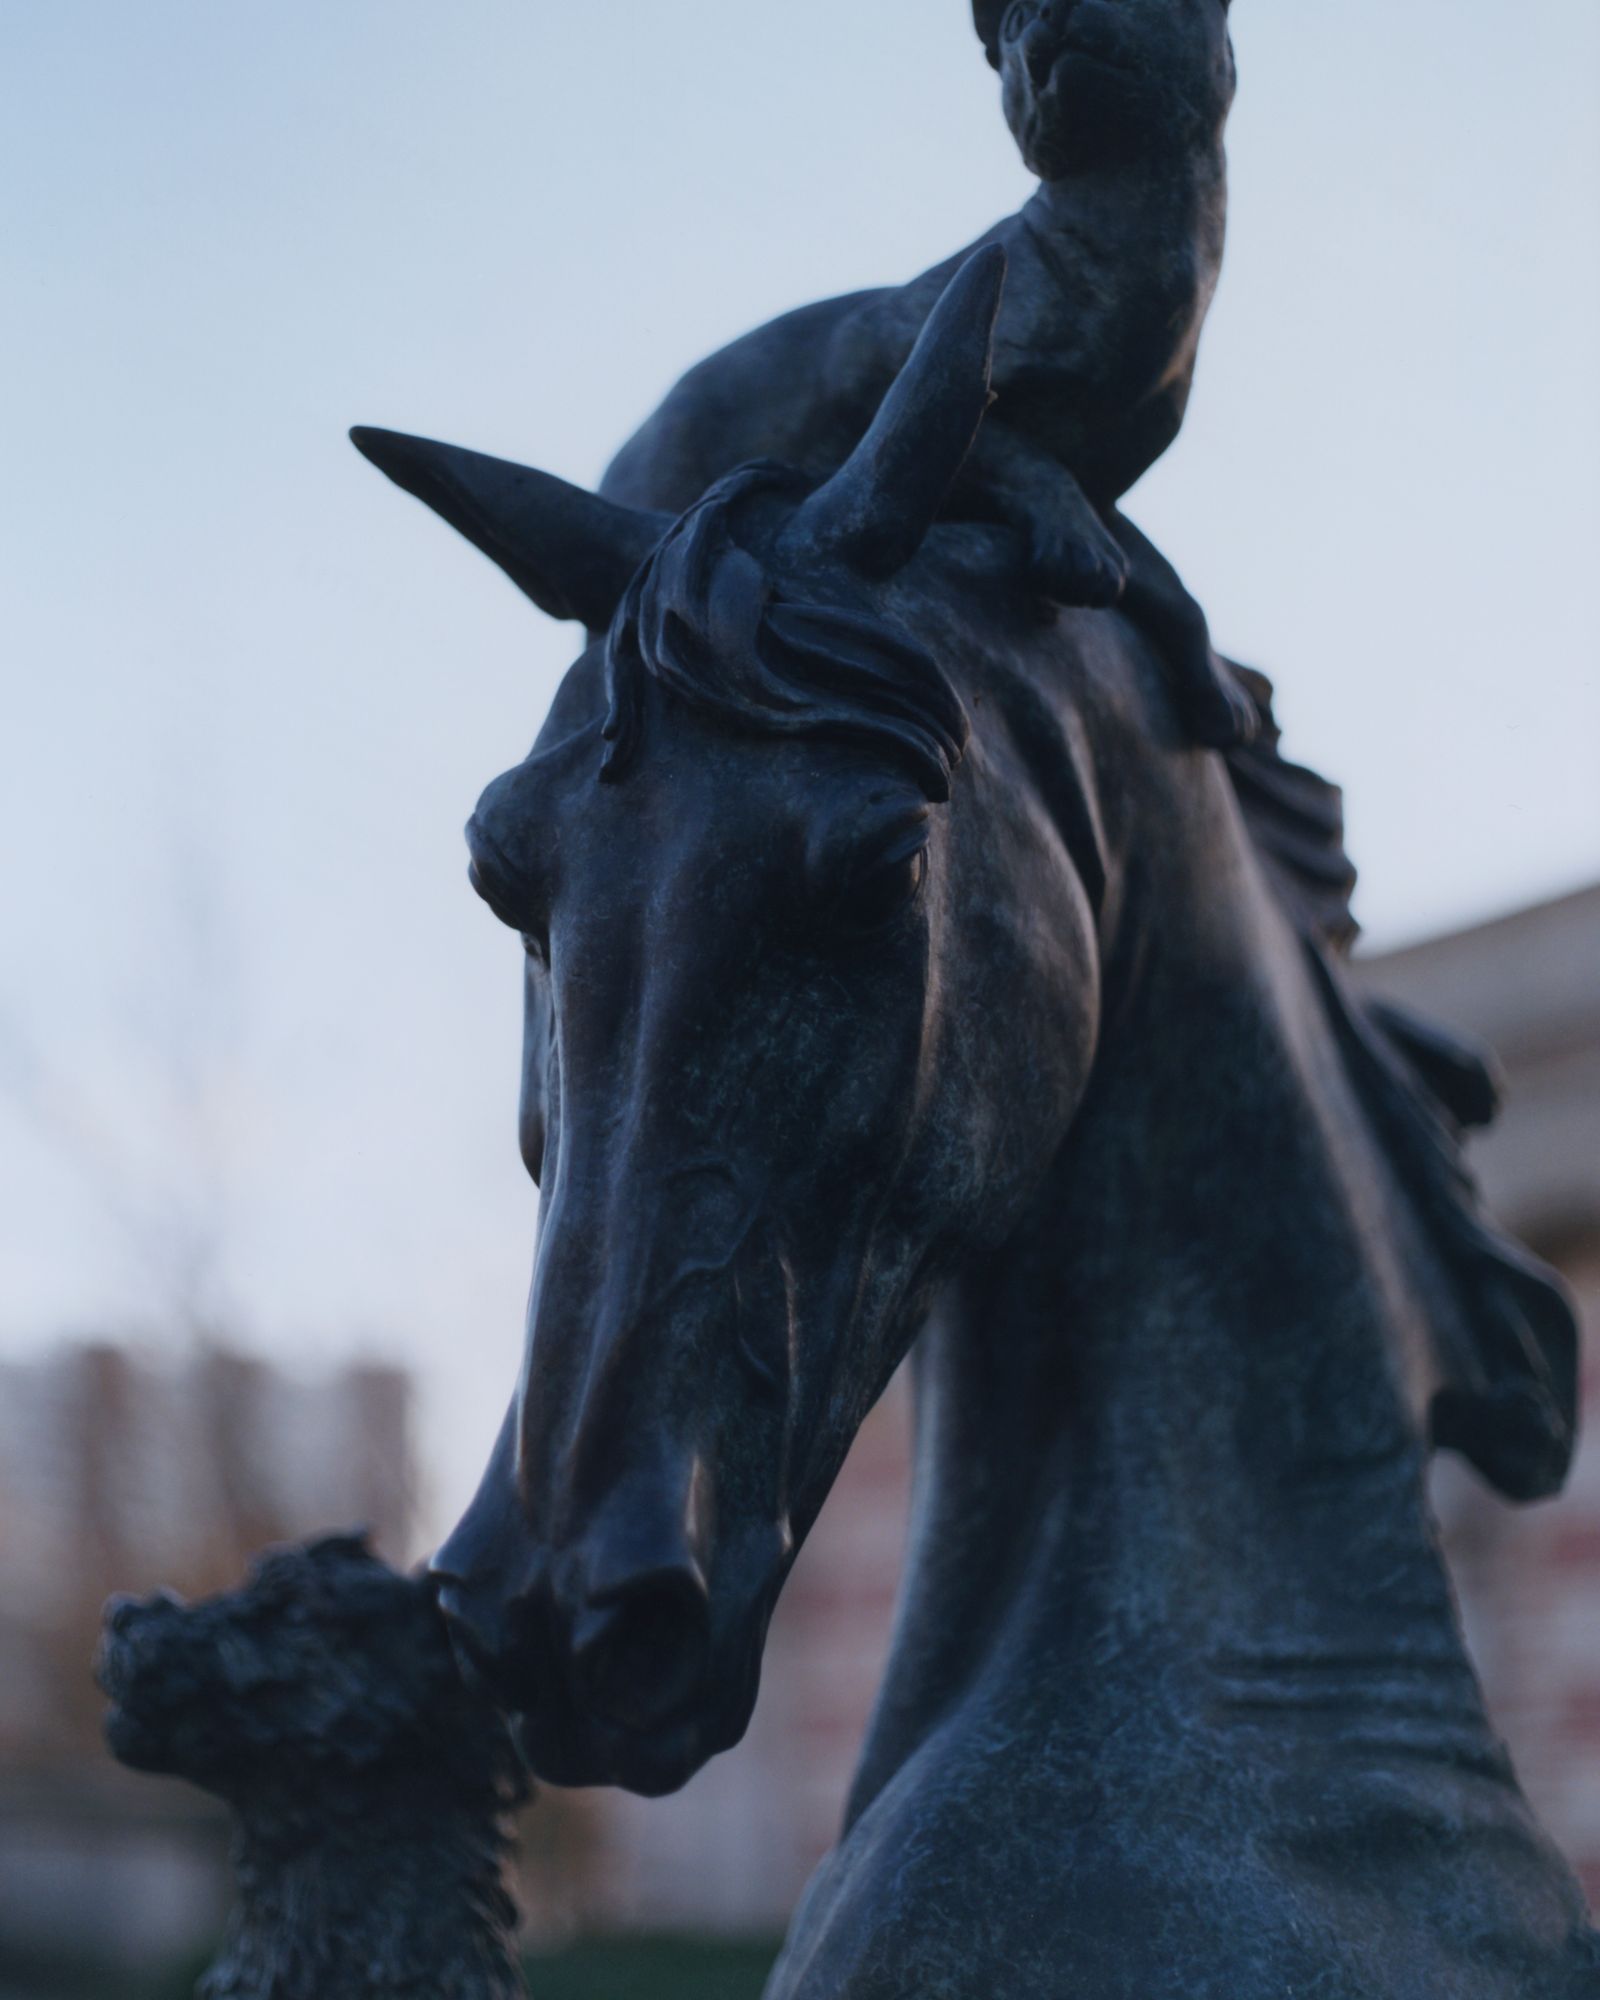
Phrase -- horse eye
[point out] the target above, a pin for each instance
(877, 896)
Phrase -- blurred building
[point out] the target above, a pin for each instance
(1529, 1578)
(123, 1474)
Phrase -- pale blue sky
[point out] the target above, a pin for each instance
(250, 693)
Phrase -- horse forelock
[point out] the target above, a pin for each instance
(710, 623)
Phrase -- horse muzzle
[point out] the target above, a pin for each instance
(616, 1661)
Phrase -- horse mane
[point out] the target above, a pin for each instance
(1509, 1348)
(704, 620)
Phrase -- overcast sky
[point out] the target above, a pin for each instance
(250, 691)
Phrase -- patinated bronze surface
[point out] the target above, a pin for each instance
(916, 963)
(369, 1791)
(1119, 107)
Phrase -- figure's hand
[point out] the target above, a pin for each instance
(1076, 561)
(1073, 557)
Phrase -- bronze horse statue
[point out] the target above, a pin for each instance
(904, 977)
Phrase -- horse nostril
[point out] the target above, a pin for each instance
(641, 1656)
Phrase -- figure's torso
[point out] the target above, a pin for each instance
(1106, 292)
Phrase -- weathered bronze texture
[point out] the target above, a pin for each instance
(369, 1790)
(1119, 107)
(923, 956)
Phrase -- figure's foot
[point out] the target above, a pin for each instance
(1077, 563)
(1216, 704)
(1218, 709)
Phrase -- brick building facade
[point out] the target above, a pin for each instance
(1529, 1578)
(118, 1473)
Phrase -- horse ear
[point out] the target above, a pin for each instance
(986, 18)
(573, 553)
(882, 501)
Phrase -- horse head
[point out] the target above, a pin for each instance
(768, 882)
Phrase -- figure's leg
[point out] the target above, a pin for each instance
(1214, 701)
(1076, 557)
(1072, 557)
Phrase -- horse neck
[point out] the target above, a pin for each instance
(1179, 1422)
